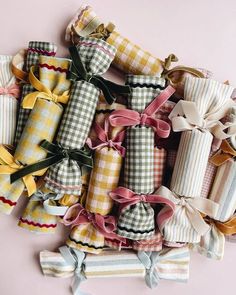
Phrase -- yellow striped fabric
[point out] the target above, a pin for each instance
(104, 178)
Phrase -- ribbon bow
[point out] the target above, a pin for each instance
(226, 153)
(46, 198)
(13, 90)
(77, 71)
(43, 92)
(185, 116)
(10, 165)
(227, 227)
(127, 198)
(192, 207)
(77, 215)
(133, 118)
(75, 259)
(103, 139)
(58, 153)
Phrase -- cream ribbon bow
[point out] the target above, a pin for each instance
(193, 207)
(185, 116)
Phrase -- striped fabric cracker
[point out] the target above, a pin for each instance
(152, 244)
(206, 96)
(211, 244)
(130, 58)
(35, 49)
(159, 166)
(224, 190)
(86, 238)
(136, 222)
(36, 219)
(104, 178)
(9, 92)
(65, 177)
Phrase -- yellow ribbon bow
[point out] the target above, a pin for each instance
(9, 166)
(185, 116)
(225, 153)
(226, 228)
(43, 92)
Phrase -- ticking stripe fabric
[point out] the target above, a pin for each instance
(65, 177)
(8, 102)
(35, 49)
(211, 244)
(104, 178)
(130, 58)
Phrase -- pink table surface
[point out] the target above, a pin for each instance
(202, 34)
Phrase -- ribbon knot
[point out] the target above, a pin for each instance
(127, 117)
(225, 153)
(142, 198)
(78, 72)
(103, 139)
(56, 154)
(13, 90)
(185, 116)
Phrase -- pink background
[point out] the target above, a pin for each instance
(202, 34)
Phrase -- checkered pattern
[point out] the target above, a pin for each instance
(132, 59)
(139, 160)
(104, 179)
(136, 222)
(36, 219)
(86, 238)
(44, 48)
(42, 124)
(10, 193)
(159, 166)
(208, 179)
(152, 244)
(65, 177)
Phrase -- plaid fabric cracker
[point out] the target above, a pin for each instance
(159, 166)
(129, 57)
(208, 179)
(35, 49)
(65, 177)
(152, 244)
(9, 93)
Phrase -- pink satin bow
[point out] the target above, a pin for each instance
(126, 198)
(77, 215)
(13, 90)
(103, 139)
(133, 118)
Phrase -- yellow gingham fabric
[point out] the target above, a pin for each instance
(36, 219)
(86, 238)
(130, 58)
(104, 178)
(42, 124)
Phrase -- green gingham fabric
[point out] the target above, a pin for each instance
(65, 177)
(35, 49)
(137, 222)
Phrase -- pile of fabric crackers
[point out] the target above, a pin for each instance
(142, 172)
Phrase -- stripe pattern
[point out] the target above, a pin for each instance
(224, 190)
(35, 49)
(104, 178)
(191, 163)
(211, 244)
(8, 103)
(65, 177)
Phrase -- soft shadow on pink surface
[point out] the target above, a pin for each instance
(201, 34)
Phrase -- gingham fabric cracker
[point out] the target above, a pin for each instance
(129, 57)
(41, 125)
(35, 49)
(96, 55)
(9, 94)
(160, 155)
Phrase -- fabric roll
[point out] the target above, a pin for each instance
(208, 179)
(152, 244)
(211, 244)
(41, 125)
(130, 58)
(160, 155)
(35, 49)
(205, 102)
(65, 177)
(9, 94)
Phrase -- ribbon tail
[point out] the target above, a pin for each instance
(78, 279)
(101, 83)
(152, 279)
(30, 169)
(30, 184)
(197, 221)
